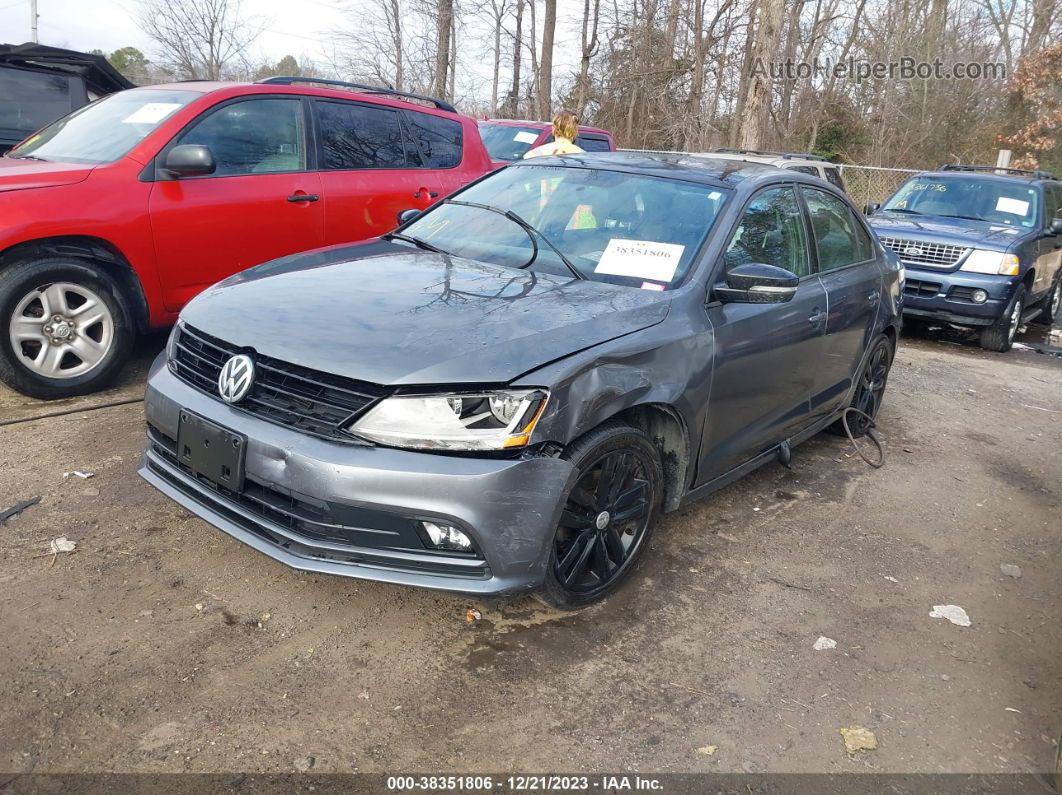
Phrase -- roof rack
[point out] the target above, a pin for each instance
(771, 153)
(287, 81)
(1023, 172)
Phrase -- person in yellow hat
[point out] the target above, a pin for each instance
(565, 128)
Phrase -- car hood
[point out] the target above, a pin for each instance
(389, 315)
(19, 174)
(952, 231)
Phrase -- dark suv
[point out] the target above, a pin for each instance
(982, 247)
(505, 393)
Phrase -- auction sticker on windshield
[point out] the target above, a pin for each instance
(640, 259)
(1013, 206)
(151, 113)
(525, 137)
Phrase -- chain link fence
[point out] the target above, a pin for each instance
(873, 184)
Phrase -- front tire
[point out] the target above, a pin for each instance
(609, 515)
(65, 328)
(999, 336)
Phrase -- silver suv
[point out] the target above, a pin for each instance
(803, 162)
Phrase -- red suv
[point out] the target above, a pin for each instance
(509, 140)
(117, 215)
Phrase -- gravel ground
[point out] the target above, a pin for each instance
(160, 644)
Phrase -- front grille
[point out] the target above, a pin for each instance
(287, 394)
(314, 528)
(921, 289)
(934, 255)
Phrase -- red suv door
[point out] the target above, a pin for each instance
(377, 161)
(261, 202)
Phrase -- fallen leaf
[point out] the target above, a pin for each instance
(473, 615)
(708, 750)
(858, 738)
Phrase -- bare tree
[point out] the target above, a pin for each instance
(545, 74)
(444, 31)
(199, 39)
(591, 19)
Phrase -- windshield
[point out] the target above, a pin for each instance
(505, 142)
(612, 227)
(994, 200)
(105, 130)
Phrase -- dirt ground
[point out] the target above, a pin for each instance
(160, 644)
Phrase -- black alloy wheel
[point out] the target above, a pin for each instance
(870, 390)
(608, 515)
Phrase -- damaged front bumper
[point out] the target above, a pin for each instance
(354, 510)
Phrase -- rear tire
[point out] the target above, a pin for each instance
(999, 336)
(65, 328)
(870, 389)
(608, 518)
(1051, 304)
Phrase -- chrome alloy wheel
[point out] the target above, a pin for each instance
(61, 330)
(1015, 321)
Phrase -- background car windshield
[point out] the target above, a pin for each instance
(105, 130)
(614, 227)
(993, 200)
(505, 142)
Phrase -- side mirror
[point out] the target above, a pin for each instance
(406, 216)
(189, 160)
(870, 209)
(1056, 226)
(757, 283)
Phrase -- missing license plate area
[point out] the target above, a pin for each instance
(211, 451)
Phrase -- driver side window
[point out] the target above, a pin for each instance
(255, 136)
(771, 232)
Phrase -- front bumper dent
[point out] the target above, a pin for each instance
(508, 507)
(936, 295)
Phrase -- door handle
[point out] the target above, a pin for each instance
(303, 197)
(818, 317)
(432, 194)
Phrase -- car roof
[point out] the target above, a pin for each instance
(542, 125)
(753, 158)
(1009, 179)
(235, 89)
(706, 169)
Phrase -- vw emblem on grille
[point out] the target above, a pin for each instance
(913, 251)
(235, 378)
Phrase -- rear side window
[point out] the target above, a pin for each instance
(805, 170)
(592, 144)
(833, 176)
(256, 136)
(362, 136)
(839, 238)
(34, 99)
(440, 140)
(771, 232)
(1052, 202)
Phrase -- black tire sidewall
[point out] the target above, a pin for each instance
(16, 281)
(997, 337)
(613, 435)
(837, 427)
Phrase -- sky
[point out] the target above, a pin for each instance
(295, 27)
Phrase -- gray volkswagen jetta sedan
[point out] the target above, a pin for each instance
(505, 393)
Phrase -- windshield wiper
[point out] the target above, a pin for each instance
(902, 210)
(416, 241)
(965, 217)
(28, 157)
(531, 231)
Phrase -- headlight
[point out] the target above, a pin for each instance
(499, 420)
(992, 262)
(171, 342)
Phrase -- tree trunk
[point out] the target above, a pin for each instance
(513, 102)
(444, 24)
(744, 78)
(589, 43)
(757, 106)
(545, 78)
